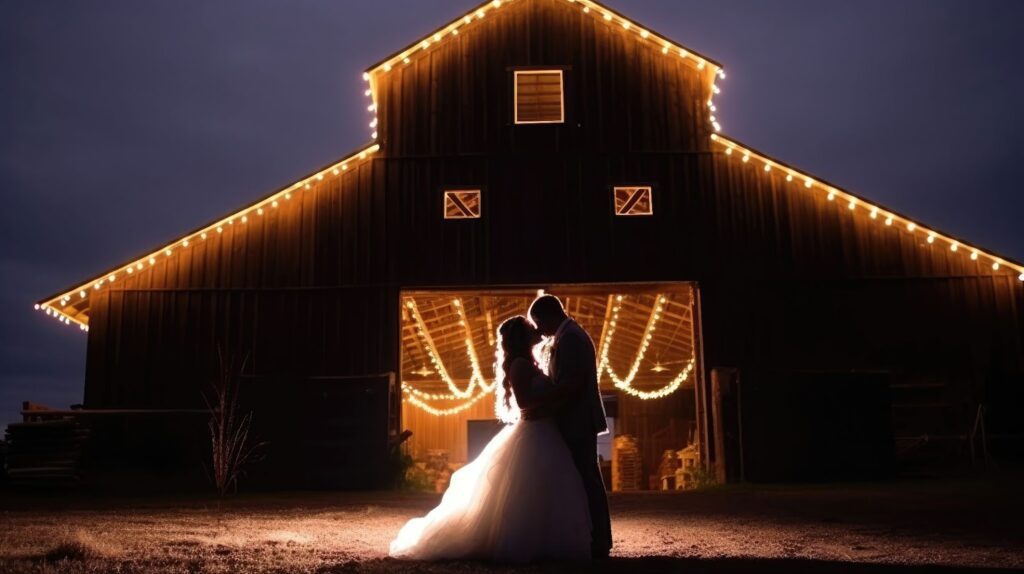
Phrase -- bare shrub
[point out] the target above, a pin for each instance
(230, 442)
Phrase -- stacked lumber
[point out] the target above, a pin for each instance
(666, 477)
(627, 471)
(45, 450)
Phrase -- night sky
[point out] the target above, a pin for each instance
(125, 123)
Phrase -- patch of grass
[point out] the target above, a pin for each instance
(80, 546)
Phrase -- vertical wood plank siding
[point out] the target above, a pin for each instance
(788, 279)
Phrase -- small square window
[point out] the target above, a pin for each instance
(632, 201)
(462, 204)
(539, 97)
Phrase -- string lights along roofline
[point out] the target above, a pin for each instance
(598, 11)
(56, 304)
(595, 9)
(855, 203)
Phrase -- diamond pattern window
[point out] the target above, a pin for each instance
(633, 201)
(462, 204)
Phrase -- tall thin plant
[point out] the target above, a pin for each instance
(230, 440)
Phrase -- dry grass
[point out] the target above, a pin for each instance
(894, 528)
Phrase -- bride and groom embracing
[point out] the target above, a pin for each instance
(535, 492)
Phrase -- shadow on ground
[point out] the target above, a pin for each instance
(658, 565)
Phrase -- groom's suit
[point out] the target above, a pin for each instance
(581, 418)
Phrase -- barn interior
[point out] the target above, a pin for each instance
(647, 343)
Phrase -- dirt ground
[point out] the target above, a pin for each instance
(963, 525)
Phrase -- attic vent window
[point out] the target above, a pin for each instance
(633, 201)
(539, 97)
(462, 204)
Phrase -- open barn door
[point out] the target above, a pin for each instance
(647, 345)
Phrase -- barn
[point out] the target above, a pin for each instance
(753, 321)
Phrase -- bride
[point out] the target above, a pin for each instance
(522, 499)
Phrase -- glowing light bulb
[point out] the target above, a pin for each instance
(130, 270)
(607, 16)
(954, 248)
(911, 226)
(152, 260)
(644, 34)
(1021, 277)
(789, 177)
(931, 238)
(974, 256)
(808, 183)
(874, 213)
(995, 266)
(767, 167)
(888, 220)
(746, 158)
(853, 204)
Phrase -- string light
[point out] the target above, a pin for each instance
(413, 399)
(587, 7)
(168, 250)
(625, 384)
(435, 357)
(854, 202)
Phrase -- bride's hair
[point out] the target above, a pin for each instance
(513, 343)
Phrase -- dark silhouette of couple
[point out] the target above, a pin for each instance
(535, 492)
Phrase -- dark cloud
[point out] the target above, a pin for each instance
(123, 123)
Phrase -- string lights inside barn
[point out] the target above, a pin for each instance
(479, 386)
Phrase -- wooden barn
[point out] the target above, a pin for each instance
(753, 321)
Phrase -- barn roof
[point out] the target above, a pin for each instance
(71, 305)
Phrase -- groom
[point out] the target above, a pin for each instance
(575, 403)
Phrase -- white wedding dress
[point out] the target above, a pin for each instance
(521, 500)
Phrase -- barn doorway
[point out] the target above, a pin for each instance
(648, 347)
